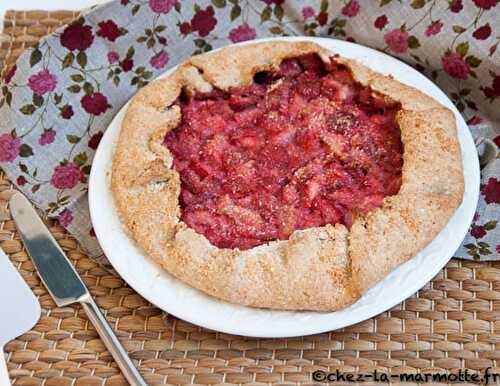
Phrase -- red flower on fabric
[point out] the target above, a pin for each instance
(9, 147)
(485, 4)
(456, 6)
(67, 112)
(322, 18)
(160, 60)
(23, 168)
(185, 28)
(66, 176)
(397, 40)
(47, 137)
(42, 82)
(109, 30)
(95, 140)
(204, 21)
(477, 231)
(498, 248)
(127, 65)
(434, 28)
(497, 140)
(455, 66)
(162, 6)
(21, 180)
(242, 33)
(381, 21)
(95, 103)
(474, 121)
(496, 85)
(351, 9)
(491, 191)
(65, 217)
(269, 2)
(77, 37)
(489, 92)
(482, 33)
(10, 74)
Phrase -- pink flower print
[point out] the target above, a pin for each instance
(160, 60)
(308, 12)
(162, 6)
(47, 137)
(9, 147)
(351, 9)
(42, 82)
(113, 57)
(397, 40)
(434, 28)
(65, 218)
(476, 217)
(66, 176)
(242, 33)
(455, 66)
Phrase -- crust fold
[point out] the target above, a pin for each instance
(325, 268)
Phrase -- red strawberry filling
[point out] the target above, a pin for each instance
(300, 147)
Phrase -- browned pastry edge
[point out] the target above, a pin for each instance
(324, 268)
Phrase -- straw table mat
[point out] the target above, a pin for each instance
(454, 322)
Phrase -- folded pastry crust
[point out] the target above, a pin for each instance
(324, 268)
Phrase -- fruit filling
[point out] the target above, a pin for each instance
(302, 146)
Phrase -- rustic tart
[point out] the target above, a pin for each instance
(281, 175)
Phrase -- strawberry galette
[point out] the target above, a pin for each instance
(281, 175)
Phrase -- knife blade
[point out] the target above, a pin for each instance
(58, 275)
(62, 280)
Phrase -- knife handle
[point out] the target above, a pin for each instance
(112, 343)
(4, 373)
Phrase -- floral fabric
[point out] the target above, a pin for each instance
(56, 102)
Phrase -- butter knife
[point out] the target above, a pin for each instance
(63, 282)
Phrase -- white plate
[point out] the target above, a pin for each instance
(177, 298)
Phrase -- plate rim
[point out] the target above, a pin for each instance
(236, 328)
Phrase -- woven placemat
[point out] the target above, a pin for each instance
(454, 322)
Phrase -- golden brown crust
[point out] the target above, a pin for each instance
(325, 268)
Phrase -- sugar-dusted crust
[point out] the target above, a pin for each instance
(324, 268)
